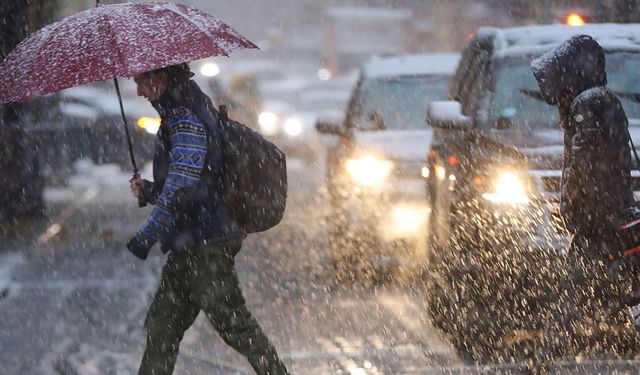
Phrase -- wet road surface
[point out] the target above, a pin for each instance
(75, 303)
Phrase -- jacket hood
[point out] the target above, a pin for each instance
(576, 65)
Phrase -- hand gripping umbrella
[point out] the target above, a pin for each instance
(110, 41)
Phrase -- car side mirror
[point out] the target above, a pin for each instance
(447, 114)
(505, 121)
(329, 127)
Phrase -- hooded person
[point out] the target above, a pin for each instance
(192, 223)
(596, 180)
(596, 187)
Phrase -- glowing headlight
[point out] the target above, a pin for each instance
(324, 74)
(369, 170)
(149, 124)
(268, 123)
(509, 188)
(293, 126)
(408, 219)
(425, 172)
(440, 172)
(210, 70)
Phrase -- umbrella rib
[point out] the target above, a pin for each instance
(114, 35)
(38, 57)
(209, 38)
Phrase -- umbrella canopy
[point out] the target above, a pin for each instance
(110, 41)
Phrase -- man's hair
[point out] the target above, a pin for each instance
(174, 73)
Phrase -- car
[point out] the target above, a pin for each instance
(373, 176)
(282, 107)
(493, 176)
(102, 134)
(296, 133)
(85, 122)
(291, 107)
(238, 84)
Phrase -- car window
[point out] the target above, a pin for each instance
(624, 80)
(517, 97)
(514, 97)
(397, 103)
(322, 100)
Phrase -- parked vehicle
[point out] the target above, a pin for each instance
(85, 123)
(238, 84)
(378, 212)
(493, 177)
(296, 133)
(103, 128)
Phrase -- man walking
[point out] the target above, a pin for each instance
(190, 220)
(596, 187)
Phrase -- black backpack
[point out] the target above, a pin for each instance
(255, 176)
(628, 221)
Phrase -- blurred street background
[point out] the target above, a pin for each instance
(73, 300)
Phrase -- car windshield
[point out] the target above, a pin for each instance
(517, 97)
(398, 103)
(329, 100)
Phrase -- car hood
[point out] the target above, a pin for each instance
(543, 149)
(401, 145)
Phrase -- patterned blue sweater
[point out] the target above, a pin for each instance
(182, 154)
(188, 139)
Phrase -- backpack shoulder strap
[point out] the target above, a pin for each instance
(223, 116)
(633, 148)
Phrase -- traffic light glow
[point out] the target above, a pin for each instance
(574, 19)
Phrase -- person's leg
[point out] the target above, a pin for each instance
(566, 311)
(172, 312)
(222, 301)
(588, 298)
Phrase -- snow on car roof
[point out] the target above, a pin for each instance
(541, 38)
(407, 65)
(347, 12)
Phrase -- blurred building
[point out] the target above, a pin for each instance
(313, 33)
(69, 7)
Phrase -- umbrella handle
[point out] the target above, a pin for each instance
(141, 201)
(126, 128)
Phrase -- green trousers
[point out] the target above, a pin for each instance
(204, 278)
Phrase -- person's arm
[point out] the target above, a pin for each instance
(188, 153)
(583, 195)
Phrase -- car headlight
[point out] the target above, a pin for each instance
(149, 124)
(369, 170)
(508, 188)
(293, 126)
(268, 123)
(210, 69)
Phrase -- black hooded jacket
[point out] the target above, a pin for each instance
(596, 181)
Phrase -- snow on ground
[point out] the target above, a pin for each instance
(110, 180)
(78, 306)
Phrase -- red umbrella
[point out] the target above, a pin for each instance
(109, 41)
